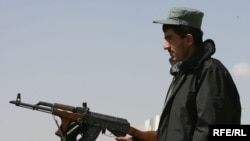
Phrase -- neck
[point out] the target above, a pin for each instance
(192, 50)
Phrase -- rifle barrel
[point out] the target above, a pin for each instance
(37, 107)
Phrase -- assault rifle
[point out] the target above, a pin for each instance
(80, 124)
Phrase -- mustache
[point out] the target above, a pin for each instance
(170, 50)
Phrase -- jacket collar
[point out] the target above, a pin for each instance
(204, 52)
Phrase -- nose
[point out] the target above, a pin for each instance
(166, 45)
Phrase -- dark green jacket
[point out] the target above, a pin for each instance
(202, 93)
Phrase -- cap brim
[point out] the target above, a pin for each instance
(159, 21)
(167, 21)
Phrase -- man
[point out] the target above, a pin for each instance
(202, 91)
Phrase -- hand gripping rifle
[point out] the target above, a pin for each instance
(79, 124)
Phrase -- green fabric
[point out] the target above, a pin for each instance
(183, 16)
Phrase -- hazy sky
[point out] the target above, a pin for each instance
(107, 53)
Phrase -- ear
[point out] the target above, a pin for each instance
(189, 40)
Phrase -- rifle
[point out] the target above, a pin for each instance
(80, 124)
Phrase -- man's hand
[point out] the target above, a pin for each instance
(137, 135)
(123, 139)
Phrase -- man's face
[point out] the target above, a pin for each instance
(177, 47)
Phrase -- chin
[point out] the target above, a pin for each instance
(174, 59)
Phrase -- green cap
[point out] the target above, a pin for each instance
(183, 16)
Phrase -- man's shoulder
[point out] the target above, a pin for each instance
(214, 64)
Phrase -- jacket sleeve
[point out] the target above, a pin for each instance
(217, 101)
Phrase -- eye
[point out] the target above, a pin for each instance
(168, 37)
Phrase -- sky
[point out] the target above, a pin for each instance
(107, 53)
